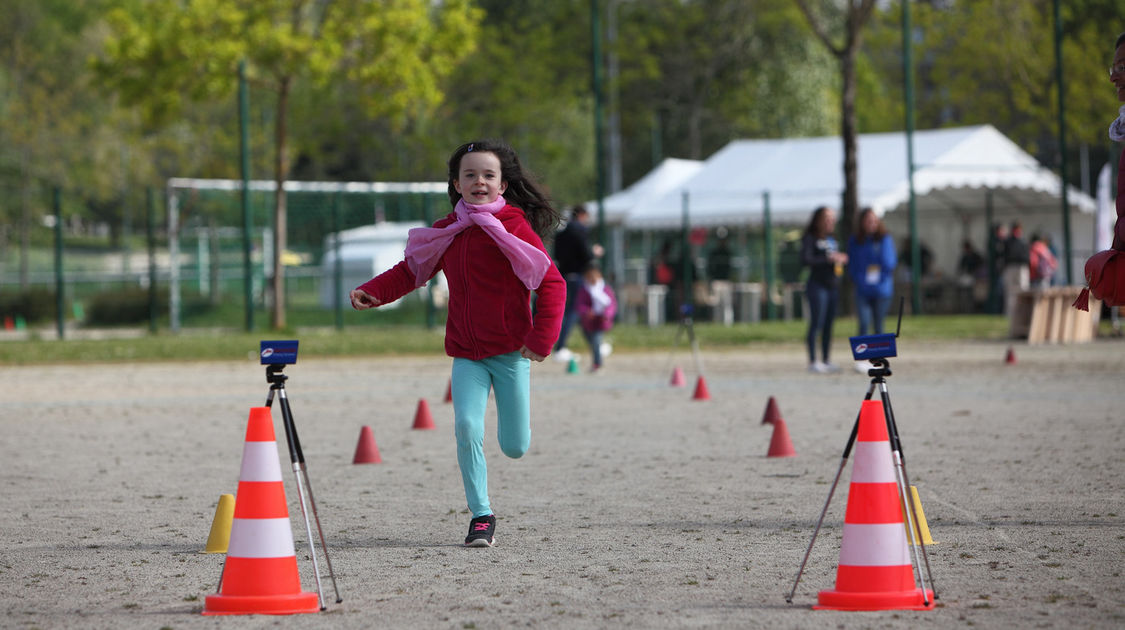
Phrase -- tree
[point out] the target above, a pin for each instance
(53, 131)
(993, 63)
(831, 22)
(395, 53)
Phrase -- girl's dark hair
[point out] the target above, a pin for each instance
(860, 235)
(814, 223)
(523, 191)
(1120, 40)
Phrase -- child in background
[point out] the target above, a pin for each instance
(597, 306)
(491, 250)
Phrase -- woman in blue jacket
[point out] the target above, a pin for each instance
(871, 266)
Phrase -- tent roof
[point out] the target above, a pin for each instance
(670, 174)
(953, 168)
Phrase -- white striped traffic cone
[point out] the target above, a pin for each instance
(875, 572)
(260, 575)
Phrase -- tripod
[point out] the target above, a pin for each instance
(277, 380)
(879, 372)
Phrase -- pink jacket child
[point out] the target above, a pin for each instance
(597, 306)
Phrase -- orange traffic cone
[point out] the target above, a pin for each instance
(1010, 358)
(366, 452)
(875, 572)
(701, 392)
(260, 573)
(677, 378)
(771, 415)
(9, 323)
(448, 392)
(780, 444)
(422, 417)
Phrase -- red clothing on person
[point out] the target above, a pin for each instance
(1043, 263)
(489, 307)
(592, 320)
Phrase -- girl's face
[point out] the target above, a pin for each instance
(1117, 72)
(478, 180)
(870, 223)
(828, 221)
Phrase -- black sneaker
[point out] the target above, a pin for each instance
(481, 530)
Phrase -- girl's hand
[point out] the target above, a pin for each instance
(361, 300)
(528, 354)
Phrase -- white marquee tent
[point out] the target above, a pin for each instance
(959, 174)
(668, 176)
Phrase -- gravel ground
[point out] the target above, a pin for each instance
(637, 506)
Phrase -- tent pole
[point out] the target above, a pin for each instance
(767, 255)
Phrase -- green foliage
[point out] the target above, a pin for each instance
(123, 306)
(33, 305)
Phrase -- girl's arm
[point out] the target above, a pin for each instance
(611, 310)
(890, 257)
(551, 298)
(386, 287)
(392, 283)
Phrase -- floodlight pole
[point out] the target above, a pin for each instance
(150, 230)
(247, 223)
(60, 285)
(599, 122)
(1062, 142)
(908, 89)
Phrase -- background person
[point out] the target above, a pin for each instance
(493, 257)
(1017, 257)
(871, 266)
(597, 307)
(1042, 264)
(573, 254)
(821, 254)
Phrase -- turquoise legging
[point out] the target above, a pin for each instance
(509, 374)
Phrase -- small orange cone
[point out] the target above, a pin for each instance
(875, 572)
(780, 444)
(366, 451)
(260, 574)
(677, 378)
(448, 392)
(422, 417)
(701, 392)
(771, 415)
(9, 323)
(1010, 358)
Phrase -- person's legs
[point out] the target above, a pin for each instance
(817, 297)
(469, 385)
(594, 340)
(879, 311)
(570, 311)
(511, 376)
(832, 296)
(863, 312)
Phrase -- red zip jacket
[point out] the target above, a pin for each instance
(489, 308)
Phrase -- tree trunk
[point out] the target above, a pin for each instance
(281, 171)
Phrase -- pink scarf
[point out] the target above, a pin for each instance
(425, 246)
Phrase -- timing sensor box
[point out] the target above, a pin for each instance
(873, 346)
(279, 352)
